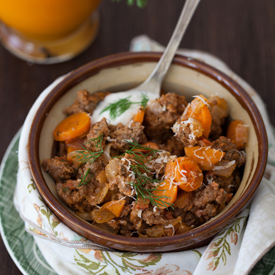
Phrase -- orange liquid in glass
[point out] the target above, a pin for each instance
(46, 19)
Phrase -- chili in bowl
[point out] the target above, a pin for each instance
(169, 176)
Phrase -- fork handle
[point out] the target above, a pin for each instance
(164, 63)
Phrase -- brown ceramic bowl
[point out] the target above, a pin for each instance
(123, 71)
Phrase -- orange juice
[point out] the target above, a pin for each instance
(46, 19)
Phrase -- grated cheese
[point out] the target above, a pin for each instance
(195, 153)
(111, 139)
(192, 123)
(203, 100)
(209, 179)
(224, 166)
(139, 213)
(170, 226)
(215, 152)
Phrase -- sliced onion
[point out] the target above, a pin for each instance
(218, 108)
(101, 177)
(155, 107)
(97, 196)
(74, 158)
(112, 169)
(155, 231)
(107, 151)
(84, 215)
(102, 215)
(100, 196)
(106, 227)
(225, 168)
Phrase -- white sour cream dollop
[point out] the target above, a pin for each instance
(127, 116)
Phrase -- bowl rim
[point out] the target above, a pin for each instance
(127, 58)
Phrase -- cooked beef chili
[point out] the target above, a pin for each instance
(166, 172)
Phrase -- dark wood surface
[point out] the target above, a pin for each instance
(240, 32)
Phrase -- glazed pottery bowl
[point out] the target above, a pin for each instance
(126, 70)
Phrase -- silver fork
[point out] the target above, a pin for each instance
(153, 83)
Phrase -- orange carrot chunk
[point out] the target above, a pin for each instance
(72, 126)
(199, 110)
(238, 133)
(185, 173)
(139, 116)
(165, 194)
(114, 207)
(206, 157)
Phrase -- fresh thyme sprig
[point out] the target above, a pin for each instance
(117, 108)
(141, 172)
(86, 155)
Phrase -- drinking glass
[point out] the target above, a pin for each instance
(48, 31)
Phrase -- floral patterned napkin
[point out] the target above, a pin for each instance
(235, 250)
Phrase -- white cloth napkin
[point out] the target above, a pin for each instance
(235, 250)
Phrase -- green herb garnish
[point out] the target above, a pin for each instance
(83, 180)
(117, 108)
(140, 171)
(89, 156)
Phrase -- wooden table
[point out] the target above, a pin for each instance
(240, 32)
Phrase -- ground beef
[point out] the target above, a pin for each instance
(71, 192)
(209, 200)
(224, 143)
(120, 134)
(98, 129)
(208, 212)
(211, 193)
(161, 114)
(123, 185)
(58, 168)
(184, 133)
(238, 156)
(189, 218)
(229, 184)
(85, 102)
(122, 226)
(208, 194)
(135, 218)
(126, 210)
(215, 132)
(157, 162)
(124, 165)
(154, 215)
(174, 146)
(94, 167)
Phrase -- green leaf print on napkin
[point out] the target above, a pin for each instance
(52, 220)
(220, 248)
(31, 186)
(105, 260)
